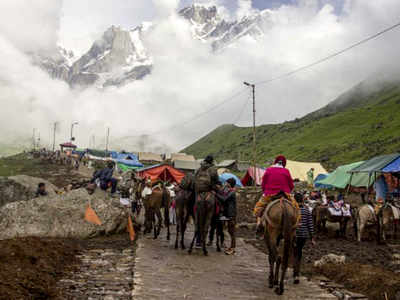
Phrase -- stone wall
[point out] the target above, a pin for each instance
(246, 199)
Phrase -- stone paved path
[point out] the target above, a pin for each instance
(103, 274)
(161, 272)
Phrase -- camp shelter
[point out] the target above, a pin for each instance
(222, 171)
(376, 164)
(150, 158)
(299, 170)
(230, 164)
(68, 145)
(225, 176)
(252, 175)
(162, 172)
(340, 178)
(186, 166)
(182, 156)
(127, 160)
(319, 185)
(393, 167)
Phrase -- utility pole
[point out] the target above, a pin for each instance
(34, 139)
(253, 87)
(72, 129)
(54, 136)
(107, 138)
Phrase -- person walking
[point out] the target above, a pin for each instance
(305, 231)
(228, 201)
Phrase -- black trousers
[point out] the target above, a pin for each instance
(298, 254)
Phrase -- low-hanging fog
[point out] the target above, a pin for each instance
(187, 78)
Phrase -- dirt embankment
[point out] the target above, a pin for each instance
(30, 267)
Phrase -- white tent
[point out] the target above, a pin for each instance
(299, 170)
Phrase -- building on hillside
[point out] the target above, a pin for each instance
(182, 157)
(149, 158)
(186, 166)
(229, 164)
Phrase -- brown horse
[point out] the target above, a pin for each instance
(321, 216)
(280, 221)
(160, 198)
(204, 211)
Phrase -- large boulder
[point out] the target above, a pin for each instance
(21, 188)
(330, 259)
(62, 216)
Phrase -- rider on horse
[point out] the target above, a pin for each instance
(276, 180)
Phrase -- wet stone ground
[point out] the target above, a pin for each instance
(161, 272)
(105, 270)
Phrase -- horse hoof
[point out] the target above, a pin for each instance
(176, 246)
(205, 253)
(278, 291)
(190, 251)
(218, 249)
(271, 285)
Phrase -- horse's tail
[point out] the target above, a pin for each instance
(355, 213)
(287, 228)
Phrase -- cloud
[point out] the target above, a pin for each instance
(188, 78)
(30, 25)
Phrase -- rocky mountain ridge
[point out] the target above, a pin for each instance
(121, 56)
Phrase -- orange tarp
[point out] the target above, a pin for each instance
(164, 173)
(91, 217)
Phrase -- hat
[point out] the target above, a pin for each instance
(209, 159)
(280, 158)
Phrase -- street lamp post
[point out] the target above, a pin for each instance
(72, 129)
(253, 87)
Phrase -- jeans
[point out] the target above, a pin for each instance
(298, 253)
(113, 181)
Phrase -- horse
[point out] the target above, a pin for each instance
(366, 217)
(184, 207)
(160, 198)
(280, 221)
(321, 215)
(204, 212)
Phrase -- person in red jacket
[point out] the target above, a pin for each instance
(276, 179)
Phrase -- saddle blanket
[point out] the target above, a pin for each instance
(146, 191)
(396, 212)
(343, 211)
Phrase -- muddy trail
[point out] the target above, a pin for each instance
(370, 269)
(103, 270)
(49, 268)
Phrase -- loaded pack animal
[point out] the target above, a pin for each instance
(280, 220)
(153, 203)
(206, 180)
(322, 215)
(366, 217)
(184, 207)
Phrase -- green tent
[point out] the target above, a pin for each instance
(375, 164)
(340, 178)
(125, 168)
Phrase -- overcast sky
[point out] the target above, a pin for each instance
(187, 77)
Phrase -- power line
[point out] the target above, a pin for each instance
(287, 74)
(330, 56)
(198, 116)
(242, 110)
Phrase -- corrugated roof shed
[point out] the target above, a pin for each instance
(186, 165)
(148, 156)
(182, 156)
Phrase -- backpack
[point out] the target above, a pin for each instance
(187, 182)
(203, 180)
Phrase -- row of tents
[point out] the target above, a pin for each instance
(360, 174)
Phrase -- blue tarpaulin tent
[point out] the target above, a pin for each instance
(320, 185)
(127, 159)
(225, 176)
(393, 167)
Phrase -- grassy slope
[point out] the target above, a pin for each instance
(354, 127)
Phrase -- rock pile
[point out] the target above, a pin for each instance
(62, 216)
(21, 188)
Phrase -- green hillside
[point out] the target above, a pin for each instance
(358, 125)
